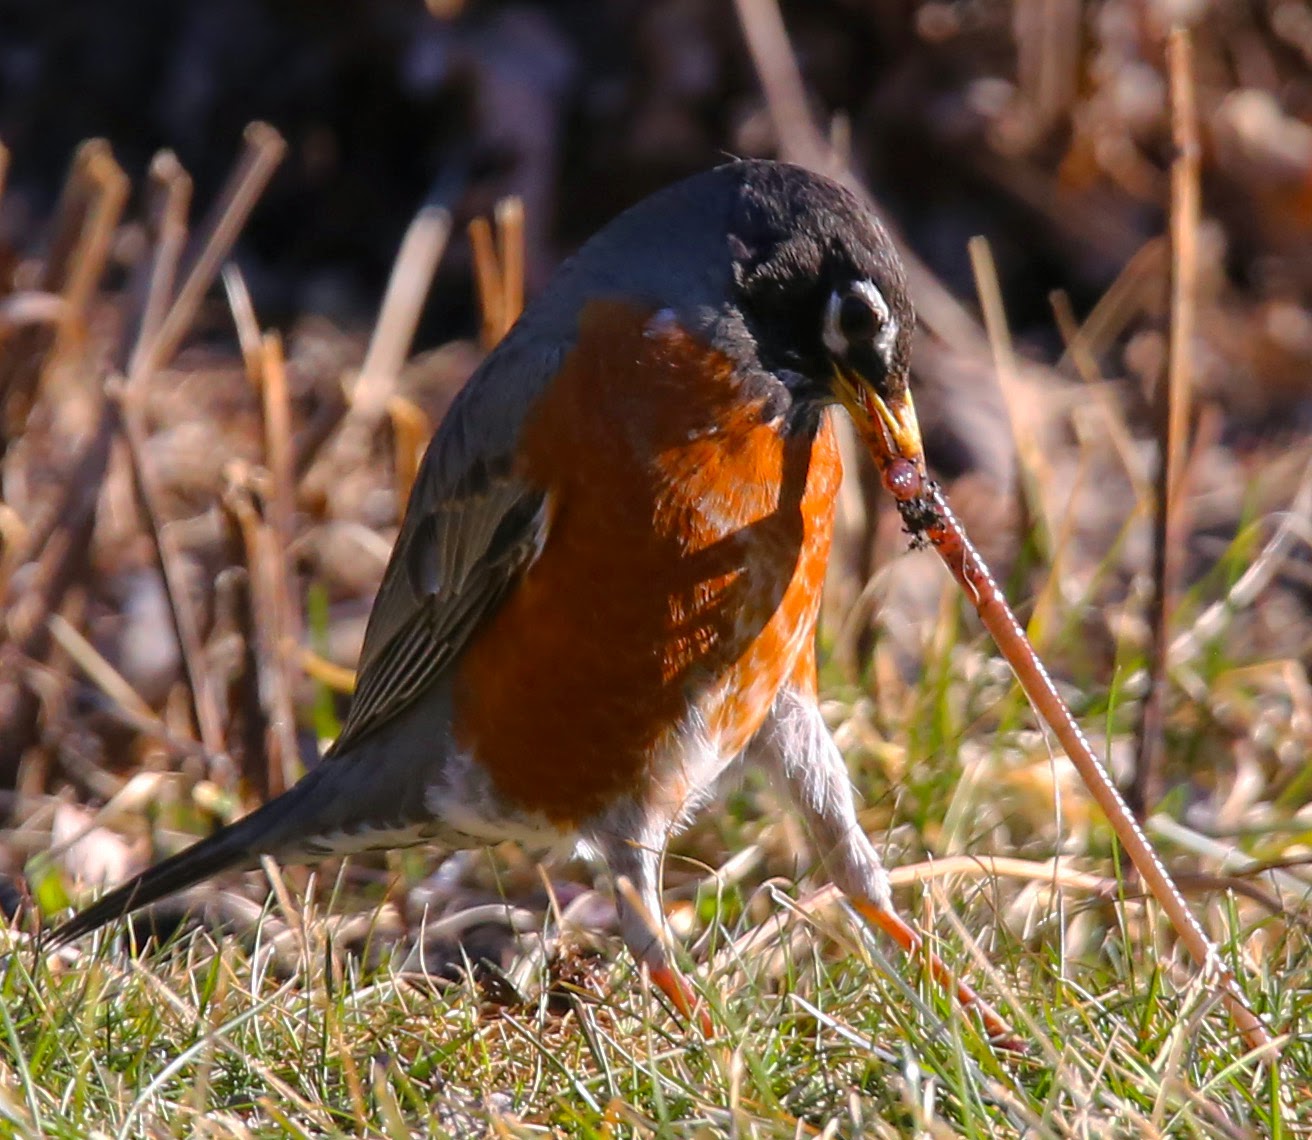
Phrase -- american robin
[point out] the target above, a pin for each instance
(606, 586)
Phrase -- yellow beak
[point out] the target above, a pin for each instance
(889, 429)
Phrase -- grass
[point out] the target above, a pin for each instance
(212, 1039)
(820, 1031)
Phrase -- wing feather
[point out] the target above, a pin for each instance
(486, 563)
(471, 528)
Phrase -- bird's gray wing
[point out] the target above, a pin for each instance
(471, 528)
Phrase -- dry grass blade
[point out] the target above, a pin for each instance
(169, 210)
(487, 281)
(1233, 861)
(59, 552)
(776, 68)
(411, 431)
(282, 512)
(89, 207)
(499, 269)
(407, 289)
(169, 558)
(510, 252)
(1113, 417)
(1047, 597)
(268, 625)
(264, 150)
(1170, 523)
(1294, 527)
(13, 537)
(249, 337)
(336, 677)
(88, 262)
(945, 533)
(29, 308)
(1053, 872)
(155, 346)
(1035, 473)
(76, 200)
(54, 548)
(1048, 54)
(89, 659)
(273, 595)
(1122, 301)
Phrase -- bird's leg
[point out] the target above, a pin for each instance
(795, 744)
(636, 870)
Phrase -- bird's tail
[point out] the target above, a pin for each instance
(237, 846)
(371, 796)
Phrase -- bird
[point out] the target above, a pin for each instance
(605, 589)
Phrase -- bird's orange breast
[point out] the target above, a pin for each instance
(681, 574)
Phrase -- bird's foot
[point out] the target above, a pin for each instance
(682, 996)
(1000, 1033)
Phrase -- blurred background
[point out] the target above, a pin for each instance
(188, 554)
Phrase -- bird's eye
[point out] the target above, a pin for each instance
(858, 320)
(858, 317)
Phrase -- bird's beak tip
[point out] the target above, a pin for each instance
(900, 438)
(887, 425)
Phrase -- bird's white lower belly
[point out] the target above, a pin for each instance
(466, 802)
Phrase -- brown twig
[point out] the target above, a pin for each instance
(278, 459)
(248, 722)
(499, 268)
(268, 624)
(59, 559)
(1171, 405)
(249, 337)
(487, 281)
(90, 206)
(88, 263)
(169, 559)
(168, 209)
(278, 573)
(92, 198)
(264, 150)
(154, 348)
(407, 288)
(411, 432)
(510, 252)
(87, 216)
(170, 199)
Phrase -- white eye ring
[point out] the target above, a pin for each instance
(834, 339)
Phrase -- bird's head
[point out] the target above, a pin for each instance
(823, 294)
(782, 270)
